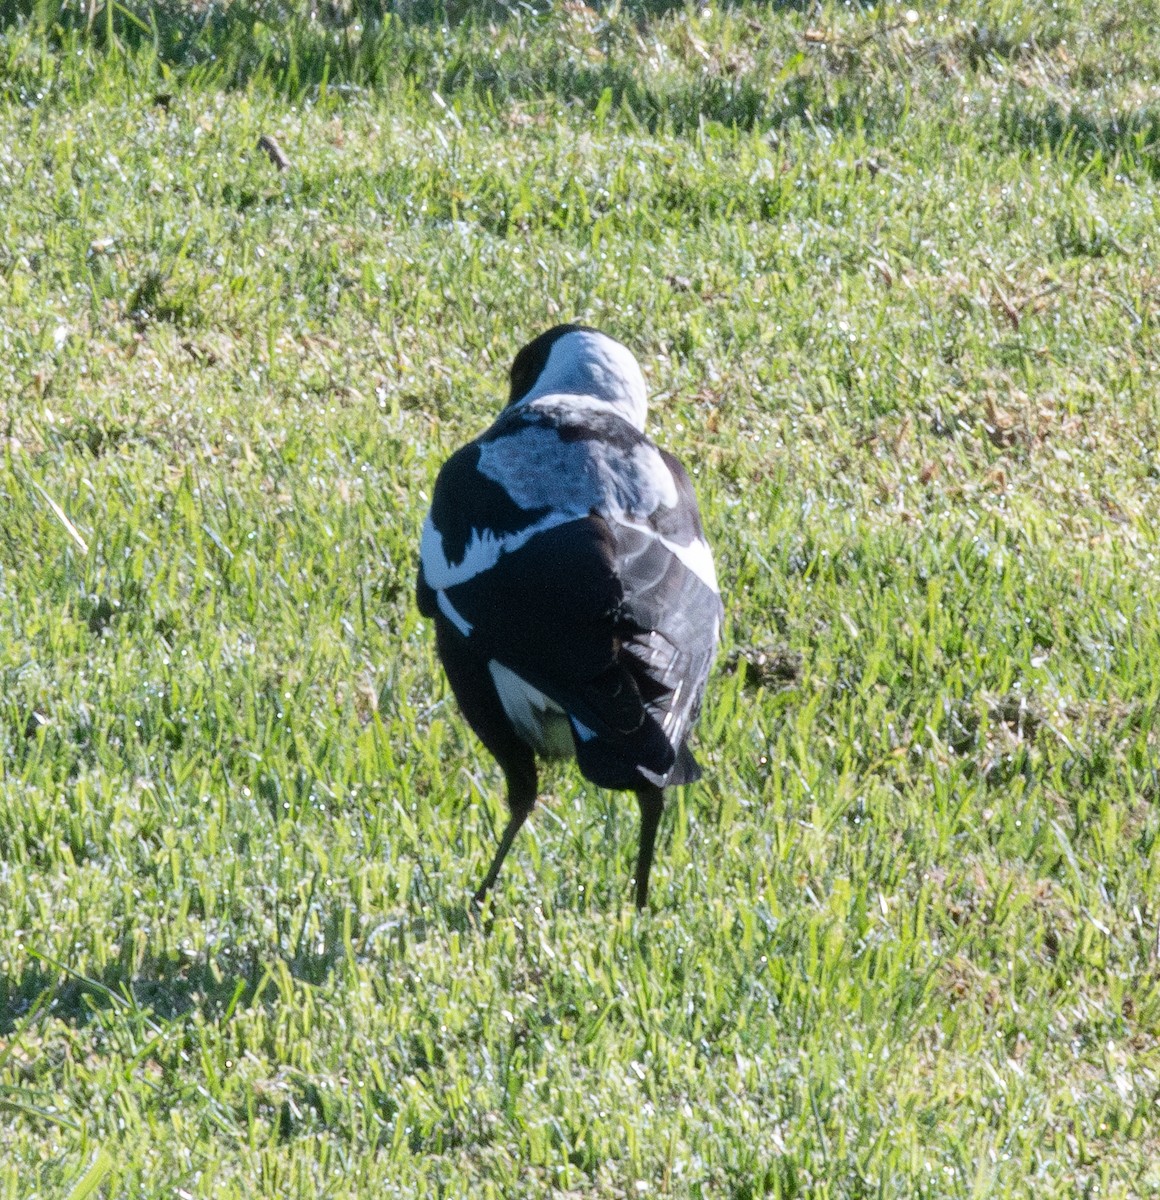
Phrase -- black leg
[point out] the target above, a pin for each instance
(521, 797)
(474, 688)
(652, 803)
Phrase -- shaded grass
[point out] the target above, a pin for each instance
(894, 285)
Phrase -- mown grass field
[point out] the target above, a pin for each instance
(894, 278)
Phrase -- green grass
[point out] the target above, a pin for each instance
(895, 284)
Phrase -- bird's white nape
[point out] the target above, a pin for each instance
(587, 363)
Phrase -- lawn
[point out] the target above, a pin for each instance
(893, 275)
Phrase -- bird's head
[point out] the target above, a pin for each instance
(575, 360)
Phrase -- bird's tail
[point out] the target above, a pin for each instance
(685, 770)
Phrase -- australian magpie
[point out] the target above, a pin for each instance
(575, 602)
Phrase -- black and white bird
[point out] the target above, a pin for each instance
(575, 602)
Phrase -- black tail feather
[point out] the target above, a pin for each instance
(686, 769)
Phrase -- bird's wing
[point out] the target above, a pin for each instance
(612, 615)
(670, 616)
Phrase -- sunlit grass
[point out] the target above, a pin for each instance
(893, 277)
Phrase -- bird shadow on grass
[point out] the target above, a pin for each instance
(155, 992)
(164, 989)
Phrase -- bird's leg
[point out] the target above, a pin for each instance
(505, 844)
(652, 803)
(521, 798)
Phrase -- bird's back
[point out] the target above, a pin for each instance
(566, 549)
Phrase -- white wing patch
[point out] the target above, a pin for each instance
(452, 614)
(541, 722)
(696, 556)
(483, 551)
